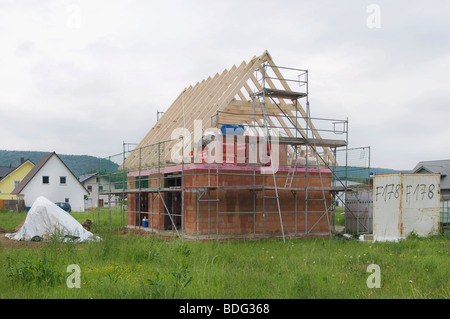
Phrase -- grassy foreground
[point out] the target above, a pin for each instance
(136, 266)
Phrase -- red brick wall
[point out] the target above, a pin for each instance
(237, 206)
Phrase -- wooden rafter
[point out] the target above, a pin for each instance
(222, 95)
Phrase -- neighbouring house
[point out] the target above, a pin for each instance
(51, 178)
(442, 167)
(94, 183)
(10, 177)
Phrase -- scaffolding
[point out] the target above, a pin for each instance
(220, 190)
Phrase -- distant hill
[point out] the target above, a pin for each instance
(78, 164)
(81, 164)
(361, 174)
(380, 171)
(353, 171)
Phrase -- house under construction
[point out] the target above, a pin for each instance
(236, 156)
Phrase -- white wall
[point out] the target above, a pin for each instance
(405, 203)
(93, 197)
(55, 191)
(93, 194)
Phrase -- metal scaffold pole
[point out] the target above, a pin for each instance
(294, 201)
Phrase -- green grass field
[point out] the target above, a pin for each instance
(125, 265)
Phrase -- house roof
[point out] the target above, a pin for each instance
(36, 169)
(231, 95)
(85, 177)
(437, 166)
(32, 173)
(5, 171)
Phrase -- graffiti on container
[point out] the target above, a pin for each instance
(417, 192)
(387, 192)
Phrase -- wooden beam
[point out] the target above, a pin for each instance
(223, 92)
(327, 152)
(247, 107)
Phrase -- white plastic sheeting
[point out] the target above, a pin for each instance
(46, 220)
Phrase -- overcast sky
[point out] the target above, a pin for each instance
(81, 77)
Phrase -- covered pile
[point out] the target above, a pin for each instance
(46, 220)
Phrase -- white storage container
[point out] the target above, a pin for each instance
(404, 204)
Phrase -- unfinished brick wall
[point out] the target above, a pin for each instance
(240, 211)
(144, 204)
(243, 210)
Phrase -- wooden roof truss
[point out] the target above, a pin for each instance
(253, 94)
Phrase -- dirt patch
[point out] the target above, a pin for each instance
(6, 243)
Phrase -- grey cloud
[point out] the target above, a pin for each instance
(24, 49)
(390, 82)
